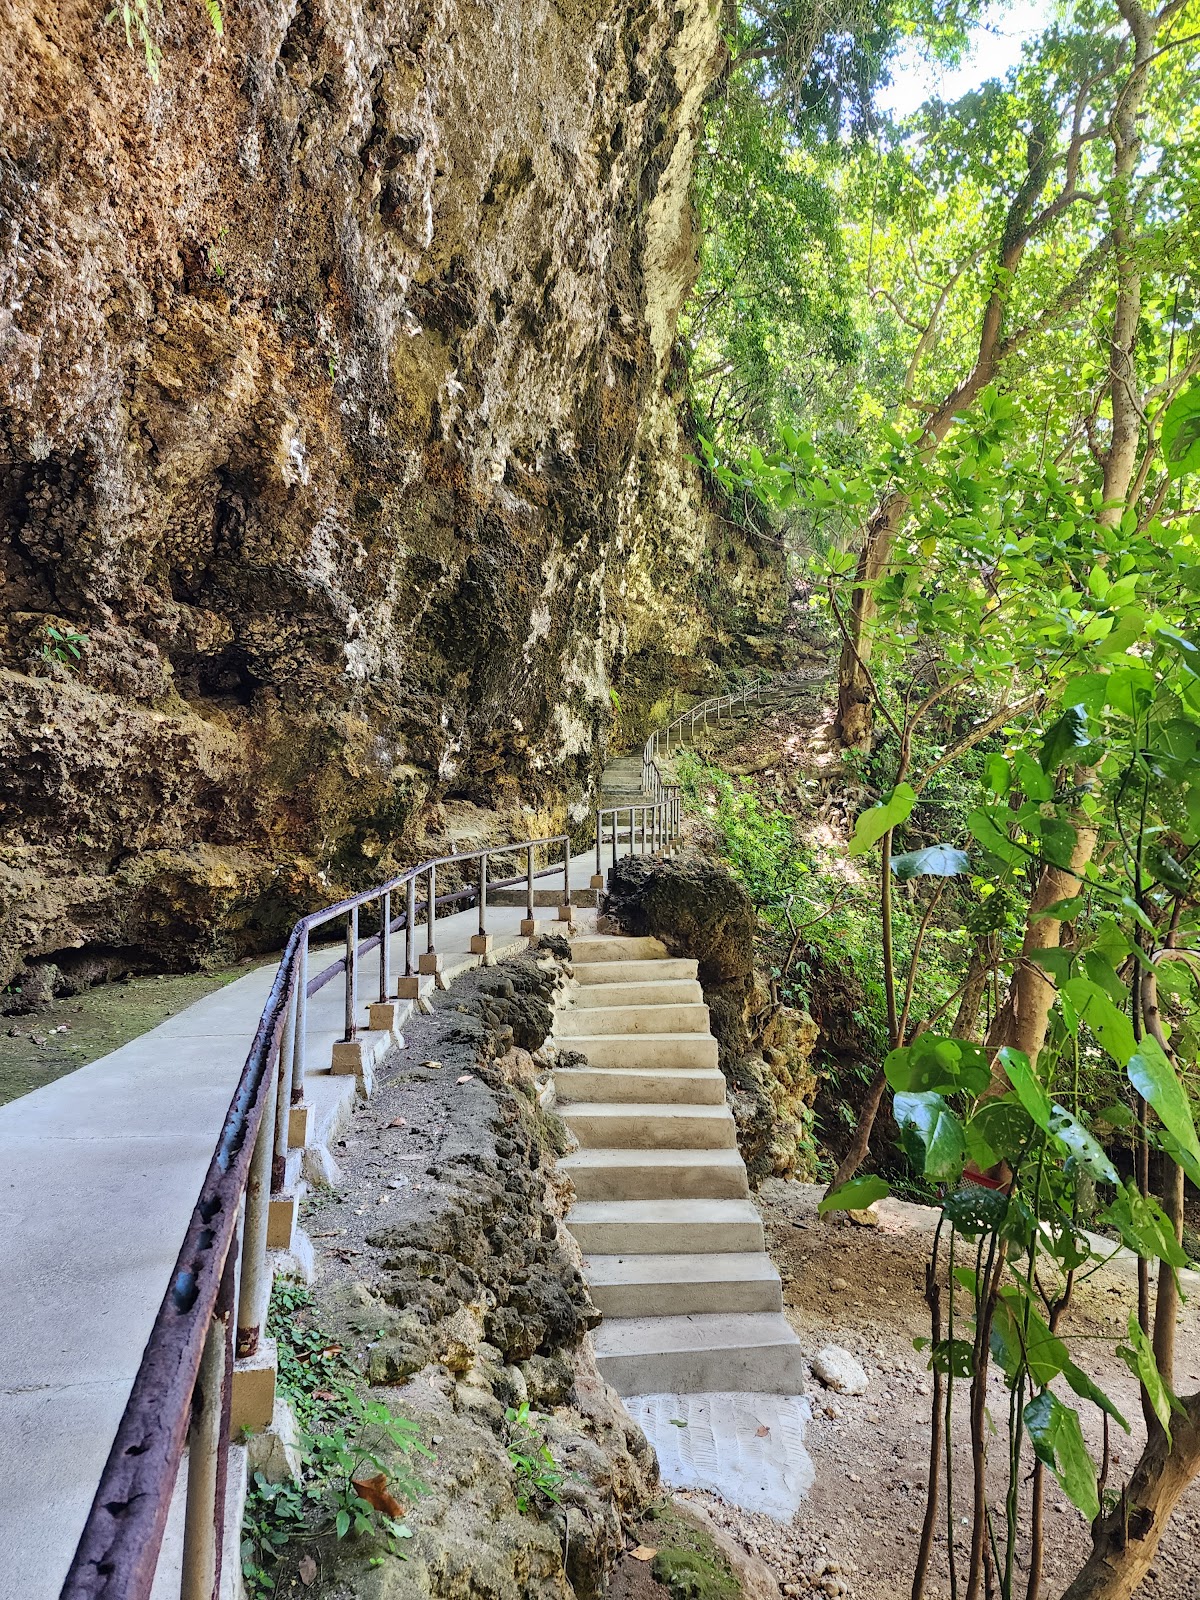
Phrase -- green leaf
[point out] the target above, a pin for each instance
(1057, 1438)
(342, 1523)
(994, 839)
(1138, 1356)
(1144, 1227)
(1112, 1028)
(1021, 1337)
(1155, 1079)
(996, 775)
(878, 820)
(934, 861)
(972, 1211)
(1065, 737)
(1082, 1146)
(955, 1357)
(931, 1134)
(1086, 1389)
(1027, 1088)
(945, 1066)
(1038, 785)
(1181, 433)
(998, 1131)
(856, 1195)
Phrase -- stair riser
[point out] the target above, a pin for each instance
(642, 1052)
(643, 1132)
(626, 1084)
(666, 1238)
(654, 1183)
(618, 948)
(669, 991)
(596, 974)
(572, 1022)
(765, 1369)
(686, 1299)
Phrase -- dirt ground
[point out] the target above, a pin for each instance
(68, 1033)
(857, 1533)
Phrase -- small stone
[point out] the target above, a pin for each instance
(839, 1284)
(838, 1370)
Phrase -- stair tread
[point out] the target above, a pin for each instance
(714, 1266)
(664, 1210)
(602, 1157)
(649, 1108)
(572, 1041)
(721, 1330)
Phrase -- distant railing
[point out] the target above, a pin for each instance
(215, 1305)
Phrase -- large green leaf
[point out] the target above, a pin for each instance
(1065, 738)
(878, 820)
(1081, 1145)
(934, 861)
(945, 1066)
(1144, 1226)
(998, 1131)
(1155, 1079)
(856, 1195)
(1086, 1389)
(1112, 1028)
(1020, 1337)
(1181, 433)
(972, 1210)
(1028, 1090)
(993, 838)
(931, 1134)
(1138, 1356)
(1057, 1438)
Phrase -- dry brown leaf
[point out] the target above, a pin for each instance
(762, 1432)
(306, 1571)
(644, 1552)
(324, 1394)
(398, 1122)
(375, 1492)
(466, 1078)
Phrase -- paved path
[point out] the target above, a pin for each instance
(98, 1175)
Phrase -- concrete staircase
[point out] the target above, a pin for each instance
(673, 1246)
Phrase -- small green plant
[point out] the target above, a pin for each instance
(534, 1468)
(63, 645)
(350, 1484)
(136, 18)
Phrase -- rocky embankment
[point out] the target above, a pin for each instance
(339, 414)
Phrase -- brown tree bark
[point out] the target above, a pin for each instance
(1125, 1542)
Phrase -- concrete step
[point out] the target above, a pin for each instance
(754, 1352)
(654, 992)
(572, 1022)
(609, 972)
(617, 947)
(696, 1086)
(640, 1049)
(683, 1285)
(644, 1126)
(656, 1174)
(665, 1227)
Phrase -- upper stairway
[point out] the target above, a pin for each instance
(673, 1246)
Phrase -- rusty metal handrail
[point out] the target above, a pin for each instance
(215, 1302)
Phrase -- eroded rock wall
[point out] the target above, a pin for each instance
(336, 411)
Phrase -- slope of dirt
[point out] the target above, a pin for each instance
(857, 1534)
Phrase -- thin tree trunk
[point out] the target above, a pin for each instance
(1125, 1542)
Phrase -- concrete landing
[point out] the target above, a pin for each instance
(747, 1448)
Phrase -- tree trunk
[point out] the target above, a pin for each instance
(1125, 1543)
(855, 706)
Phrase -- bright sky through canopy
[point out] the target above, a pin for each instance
(995, 47)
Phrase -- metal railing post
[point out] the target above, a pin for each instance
(616, 828)
(208, 1442)
(283, 1093)
(430, 910)
(351, 971)
(255, 1285)
(599, 842)
(410, 919)
(298, 1060)
(385, 947)
(529, 882)
(567, 878)
(483, 886)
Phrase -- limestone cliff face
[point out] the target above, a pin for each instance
(335, 409)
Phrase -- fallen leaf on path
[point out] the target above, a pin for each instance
(375, 1492)
(324, 1394)
(398, 1122)
(306, 1571)
(678, 1422)
(762, 1432)
(644, 1552)
(466, 1078)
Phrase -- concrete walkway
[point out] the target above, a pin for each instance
(99, 1172)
